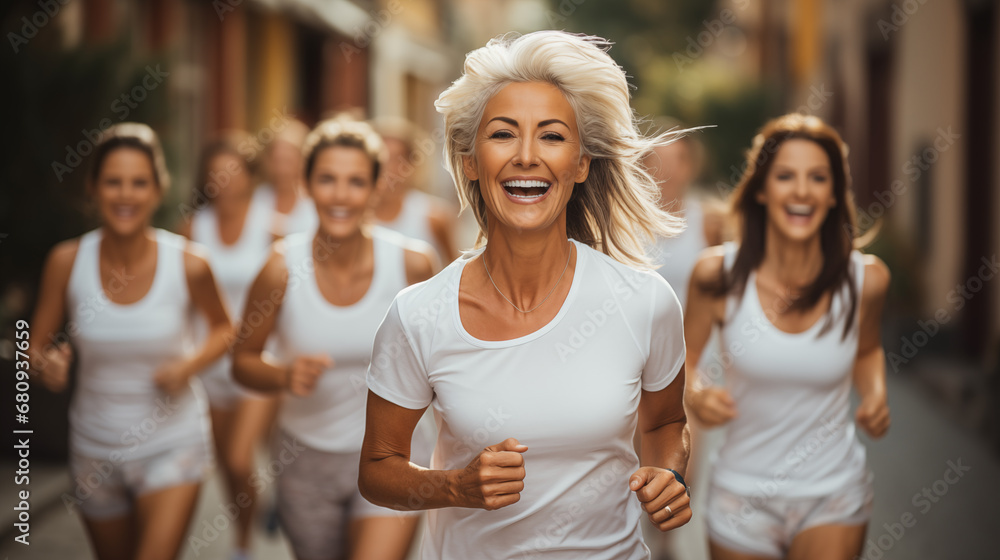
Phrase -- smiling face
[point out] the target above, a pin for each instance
(342, 184)
(798, 190)
(528, 157)
(232, 177)
(125, 191)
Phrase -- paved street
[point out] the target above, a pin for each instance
(930, 475)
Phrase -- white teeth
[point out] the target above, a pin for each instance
(526, 184)
(338, 213)
(527, 197)
(799, 209)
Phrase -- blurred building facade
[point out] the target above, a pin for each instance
(912, 86)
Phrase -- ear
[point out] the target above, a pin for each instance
(761, 197)
(469, 166)
(583, 169)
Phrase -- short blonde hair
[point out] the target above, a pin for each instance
(346, 132)
(615, 209)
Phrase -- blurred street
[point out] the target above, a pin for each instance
(930, 474)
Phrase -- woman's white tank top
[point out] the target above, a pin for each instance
(117, 412)
(793, 435)
(234, 266)
(413, 220)
(332, 418)
(302, 218)
(678, 255)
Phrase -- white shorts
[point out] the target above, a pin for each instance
(104, 490)
(766, 526)
(318, 495)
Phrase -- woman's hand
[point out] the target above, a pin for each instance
(303, 374)
(873, 415)
(664, 499)
(495, 478)
(56, 370)
(712, 406)
(172, 378)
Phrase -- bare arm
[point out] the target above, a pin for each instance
(420, 265)
(174, 376)
(869, 367)
(707, 401)
(442, 225)
(268, 289)
(492, 480)
(52, 353)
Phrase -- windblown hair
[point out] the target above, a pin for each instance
(136, 136)
(615, 209)
(837, 234)
(345, 132)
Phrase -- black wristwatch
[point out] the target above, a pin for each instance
(679, 478)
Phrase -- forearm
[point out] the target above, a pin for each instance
(251, 370)
(216, 344)
(667, 447)
(869, 374)
(396, 483)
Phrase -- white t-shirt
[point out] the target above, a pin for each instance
(569, 391)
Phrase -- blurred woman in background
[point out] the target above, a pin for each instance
(138, 432)
(235, 228)
(401, 206)
(799, 311)
(282, 189)
(328, 290)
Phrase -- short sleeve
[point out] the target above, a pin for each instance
(666, 338)
(396, 372)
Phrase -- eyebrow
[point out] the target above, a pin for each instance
(513, 122)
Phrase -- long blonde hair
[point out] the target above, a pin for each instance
(615, 209)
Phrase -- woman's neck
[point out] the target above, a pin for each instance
(231, 207)
(286, 195)
(793, 263)
(391, 203)
(121, 250)
(526, 264)
(342, 252)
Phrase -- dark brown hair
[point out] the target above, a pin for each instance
(136, 136)
(837, 232)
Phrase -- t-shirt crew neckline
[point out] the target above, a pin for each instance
(578, 269)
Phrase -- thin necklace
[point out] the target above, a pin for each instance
(543, 299)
